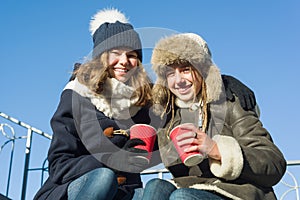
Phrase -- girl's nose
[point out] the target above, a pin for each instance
(123, 59)
(178, 76)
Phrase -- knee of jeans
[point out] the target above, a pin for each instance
(177, 194)
(156, 182)
(161, 184)
(104, 174)
(190, 193)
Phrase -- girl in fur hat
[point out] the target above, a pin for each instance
(240, 159)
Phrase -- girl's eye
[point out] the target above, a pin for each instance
(186, 70)
(116, 53)
(170, 73)
(134, 56)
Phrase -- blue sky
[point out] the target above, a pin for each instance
(255, 41)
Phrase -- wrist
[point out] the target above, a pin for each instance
(214, 153)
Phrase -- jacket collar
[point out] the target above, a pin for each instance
(115, 101)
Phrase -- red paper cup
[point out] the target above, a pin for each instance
(146, 133)
(190, 158)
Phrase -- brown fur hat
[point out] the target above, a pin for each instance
(191, 48)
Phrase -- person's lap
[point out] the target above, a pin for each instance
(99, 183)
(164, 190)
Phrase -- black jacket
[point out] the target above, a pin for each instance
(77, 134)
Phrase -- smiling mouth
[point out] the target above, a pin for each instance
(183, 90)
(123, 70)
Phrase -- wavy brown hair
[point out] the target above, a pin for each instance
(94, 73)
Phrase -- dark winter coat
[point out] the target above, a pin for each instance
(77, 132)
(251, 163)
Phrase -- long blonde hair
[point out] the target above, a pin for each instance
(94, 73)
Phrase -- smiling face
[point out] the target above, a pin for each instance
(182, 82)
(123, 63)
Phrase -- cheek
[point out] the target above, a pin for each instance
(190, 78)
(198, 89)
(170, 83)
(112, 61)
(133, 62)
(198, 85)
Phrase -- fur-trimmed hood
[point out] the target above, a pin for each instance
(189, 47)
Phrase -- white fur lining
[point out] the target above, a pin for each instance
(114, 101)
(214, 84)
(208, 187)
(231, 164)
(216, 189)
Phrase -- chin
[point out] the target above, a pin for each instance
(122, 79)
(185, 98)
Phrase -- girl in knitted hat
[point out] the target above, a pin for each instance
(240, 159)
(91, 155)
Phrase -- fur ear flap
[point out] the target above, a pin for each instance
(110, 15)
(214, 84)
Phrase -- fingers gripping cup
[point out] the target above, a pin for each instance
(188, 158)
(146, 133)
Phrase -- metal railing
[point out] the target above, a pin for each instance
(287, 187)
(8, 132)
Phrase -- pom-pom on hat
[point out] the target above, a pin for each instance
(111, 29)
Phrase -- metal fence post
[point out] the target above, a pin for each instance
(26, 165)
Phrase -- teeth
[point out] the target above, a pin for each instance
(183, 88)
(121, 70)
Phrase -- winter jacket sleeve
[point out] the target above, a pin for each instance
(68, 155)
(252, 154)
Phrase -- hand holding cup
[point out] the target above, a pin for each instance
(146, 133)
(200, 142)
(183, 137)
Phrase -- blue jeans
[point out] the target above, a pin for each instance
(97, 184)
(159, 189)
(138, 194)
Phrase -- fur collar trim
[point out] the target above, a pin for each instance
(191, 104)
(115, 100)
